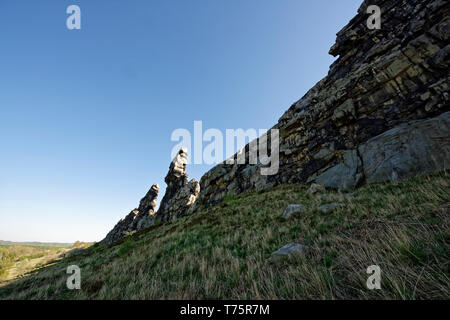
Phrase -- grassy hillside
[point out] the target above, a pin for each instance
(19, 258)
(224, 252)
(13, 255)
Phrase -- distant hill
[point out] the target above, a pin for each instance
(36, 244)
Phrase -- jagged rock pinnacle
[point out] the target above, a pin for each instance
(178, 201)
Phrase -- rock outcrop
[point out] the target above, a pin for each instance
(180, 194)
(383, 80)
(411, 148)
(344, 175)
(381, 114)
(137, 219)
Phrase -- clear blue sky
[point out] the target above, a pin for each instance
(86, 115)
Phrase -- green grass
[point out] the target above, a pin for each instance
(10, 254)
(126, 247)
(224, 251)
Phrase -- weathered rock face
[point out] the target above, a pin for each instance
(345, 175)
(180, 193)
(146, 209)
(179, 205)
(418, 147)
(137, 219)
(380, 114)
(178, 201)
(382, 79)
(123, 228)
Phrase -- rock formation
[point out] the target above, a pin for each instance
(404, 151)
(177, 202)
(381, 114)
(365, 121)
(137, 219)
(180, 193)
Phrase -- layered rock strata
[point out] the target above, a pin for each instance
(383, 79)
(381, 114)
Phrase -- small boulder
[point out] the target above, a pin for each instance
(289, 251)
(330, 207)
(291, 209)
(349, 195)
(316, 188)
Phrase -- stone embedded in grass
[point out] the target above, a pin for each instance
(291, 209)
(316, 188)
(350, 195)
(289, 250)
(330, 207)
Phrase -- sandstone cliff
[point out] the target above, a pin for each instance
(338, 133)
(381, 114)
